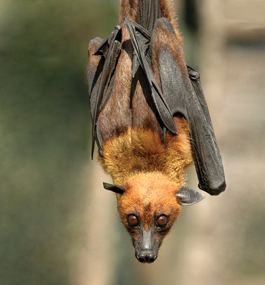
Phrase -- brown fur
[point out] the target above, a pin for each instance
(130, 105)
(169, 40)
(167, 7)
(130, 9)
(116, 116)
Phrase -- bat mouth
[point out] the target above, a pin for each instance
(146, 256)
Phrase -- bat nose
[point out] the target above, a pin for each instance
(147, 256)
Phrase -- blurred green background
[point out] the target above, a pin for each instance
(57, 225)
(44, 133)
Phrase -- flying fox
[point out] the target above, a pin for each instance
(150, 122)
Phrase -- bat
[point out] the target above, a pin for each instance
(150, 121)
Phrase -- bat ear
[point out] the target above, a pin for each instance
(115, 188)
(187, 196)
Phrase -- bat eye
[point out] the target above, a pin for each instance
(162, 221)
(132, 220)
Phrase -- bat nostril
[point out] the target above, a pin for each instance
(147, 256)
(142, 257)
(151, 257)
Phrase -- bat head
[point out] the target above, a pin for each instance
(148, 205)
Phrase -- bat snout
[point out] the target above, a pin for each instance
(146, 256)
(146, 248)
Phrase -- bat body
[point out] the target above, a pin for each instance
(150, 122)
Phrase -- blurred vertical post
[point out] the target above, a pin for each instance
(95, 261)
(213, 40)
(96, 258)
(200, 259)
(44, 144)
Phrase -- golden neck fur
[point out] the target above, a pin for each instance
(142, 151)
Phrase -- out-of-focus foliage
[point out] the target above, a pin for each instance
(43, 132)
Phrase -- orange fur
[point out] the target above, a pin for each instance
(142, 151)
(147, 195)
(152, 173)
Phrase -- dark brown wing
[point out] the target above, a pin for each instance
(139, 37)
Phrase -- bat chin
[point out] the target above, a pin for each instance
(146, 256)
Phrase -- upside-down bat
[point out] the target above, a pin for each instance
(150, 121)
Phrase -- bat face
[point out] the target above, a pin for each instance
(149, 204)
(147, 242)
(148, 209)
